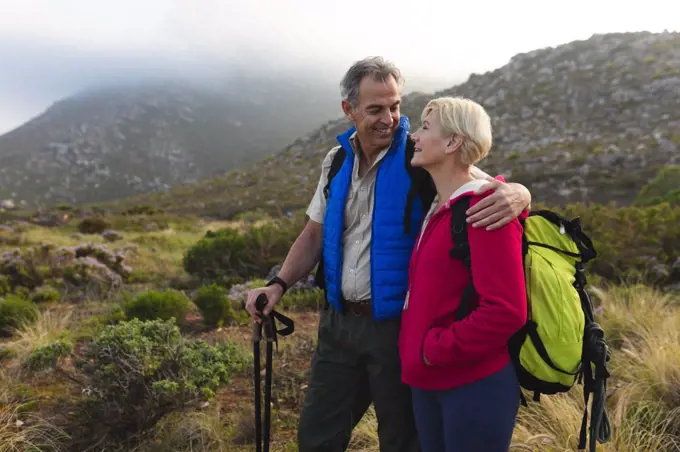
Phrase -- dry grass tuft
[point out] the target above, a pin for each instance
(20, 429)
(51, 324)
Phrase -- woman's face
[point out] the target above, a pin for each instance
(430, 143)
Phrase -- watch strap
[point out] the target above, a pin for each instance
(279, 281)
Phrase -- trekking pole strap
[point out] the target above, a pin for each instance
(271, 332)
(597, 353)
(287, 321)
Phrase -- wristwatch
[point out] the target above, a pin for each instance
(280, 282)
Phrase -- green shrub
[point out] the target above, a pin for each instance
(216, 255)
(93, 225)
(15, 311)
(136, 372)
(158, 304)
(215, 306)
(142, 210)
(49, 356)
(665, 187)
(227, 254)
(150, 223)
(5, 286)
(252, 216)
(268, 244)
(45, 294)
(22, 292)
(63, 207)
(142, 275)
(111, 236)
(308, 299)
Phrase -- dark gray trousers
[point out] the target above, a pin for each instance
(356, 362)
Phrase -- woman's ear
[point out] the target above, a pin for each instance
(454, 143)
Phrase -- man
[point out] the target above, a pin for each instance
(365, 230)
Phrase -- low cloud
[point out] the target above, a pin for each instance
(49, 49)
(35, 74)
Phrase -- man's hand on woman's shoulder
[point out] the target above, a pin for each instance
(500, 207)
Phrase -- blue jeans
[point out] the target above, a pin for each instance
(478, 417)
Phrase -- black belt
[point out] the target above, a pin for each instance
(359, 308)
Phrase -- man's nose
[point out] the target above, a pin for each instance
(387, 118)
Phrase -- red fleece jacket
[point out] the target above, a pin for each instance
(436, 351)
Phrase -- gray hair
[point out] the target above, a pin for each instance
(376, 67)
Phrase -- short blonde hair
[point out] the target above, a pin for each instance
(461, 116)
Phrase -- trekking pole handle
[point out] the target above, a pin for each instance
(260, 304)
(267, 322)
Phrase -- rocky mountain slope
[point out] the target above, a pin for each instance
(108, 143)
(591, 120)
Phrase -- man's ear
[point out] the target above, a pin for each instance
(348, 110)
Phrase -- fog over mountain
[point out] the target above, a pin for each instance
(51, 50)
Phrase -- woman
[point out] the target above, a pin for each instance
(465, 391)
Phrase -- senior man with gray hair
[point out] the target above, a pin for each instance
(363, 222)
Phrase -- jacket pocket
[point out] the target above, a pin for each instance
(423, 358)
(432, 353)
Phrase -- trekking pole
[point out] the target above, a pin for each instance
(264, 438)
(257, 337)
(269, 337)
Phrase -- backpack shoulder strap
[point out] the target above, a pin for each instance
(461, 251)
(421, 185)
(461, 247)
(336, 164)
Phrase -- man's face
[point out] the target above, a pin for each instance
(376, 115)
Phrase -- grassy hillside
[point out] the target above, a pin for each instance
(588, 121)
(70, 343)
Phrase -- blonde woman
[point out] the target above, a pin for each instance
(465, 391)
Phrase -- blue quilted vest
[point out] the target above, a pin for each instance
(391, 246)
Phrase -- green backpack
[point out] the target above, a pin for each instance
(560, 341)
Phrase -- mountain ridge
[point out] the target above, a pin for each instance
(113, 141)
(587, 121)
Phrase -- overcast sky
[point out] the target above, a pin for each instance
(50, 49)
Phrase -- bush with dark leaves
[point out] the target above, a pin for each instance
(136, 372)
(158, 304)
(93, 225)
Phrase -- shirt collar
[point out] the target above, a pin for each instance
(356, 146)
